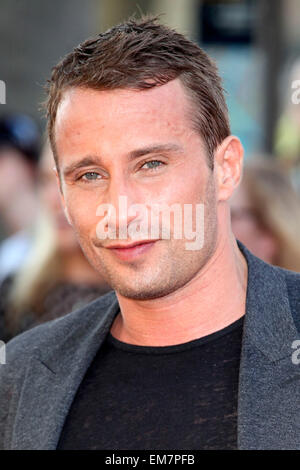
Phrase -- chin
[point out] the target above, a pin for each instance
(145, 294)
(148, 291)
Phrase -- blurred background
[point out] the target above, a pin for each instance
(256, 44)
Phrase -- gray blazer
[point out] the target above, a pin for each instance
(45, 366)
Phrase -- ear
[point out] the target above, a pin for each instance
(59, 182)
(228, 166)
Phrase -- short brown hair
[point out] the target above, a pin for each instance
(141, 54)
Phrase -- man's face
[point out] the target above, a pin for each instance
(139, 145)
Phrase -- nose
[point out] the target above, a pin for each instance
(121, 196)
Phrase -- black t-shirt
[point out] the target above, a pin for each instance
(181, 397)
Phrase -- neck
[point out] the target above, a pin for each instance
(214, 299)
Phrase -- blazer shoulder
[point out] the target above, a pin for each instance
(61, 334)
(53, 331)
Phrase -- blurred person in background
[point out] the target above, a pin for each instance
(55, 278)
(19, 151)
(287, 137)
(265, 214)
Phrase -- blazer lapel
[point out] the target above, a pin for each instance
(269, 383)
(52, 381)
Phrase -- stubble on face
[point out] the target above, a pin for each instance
(168, 266)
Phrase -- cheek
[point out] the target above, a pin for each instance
(184, 189)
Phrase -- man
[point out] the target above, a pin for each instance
(194, 350)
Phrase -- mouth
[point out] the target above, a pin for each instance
(131, 251)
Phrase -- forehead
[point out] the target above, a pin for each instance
(124, 114)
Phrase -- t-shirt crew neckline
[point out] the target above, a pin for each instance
(174, 348)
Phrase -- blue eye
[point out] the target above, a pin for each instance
(90, 176)
(153, 164)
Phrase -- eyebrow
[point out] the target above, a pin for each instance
(86, 161)
(156, 148)
(94, 159)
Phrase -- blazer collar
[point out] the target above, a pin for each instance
(268, 320)
(52, 379)
(269, 381)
